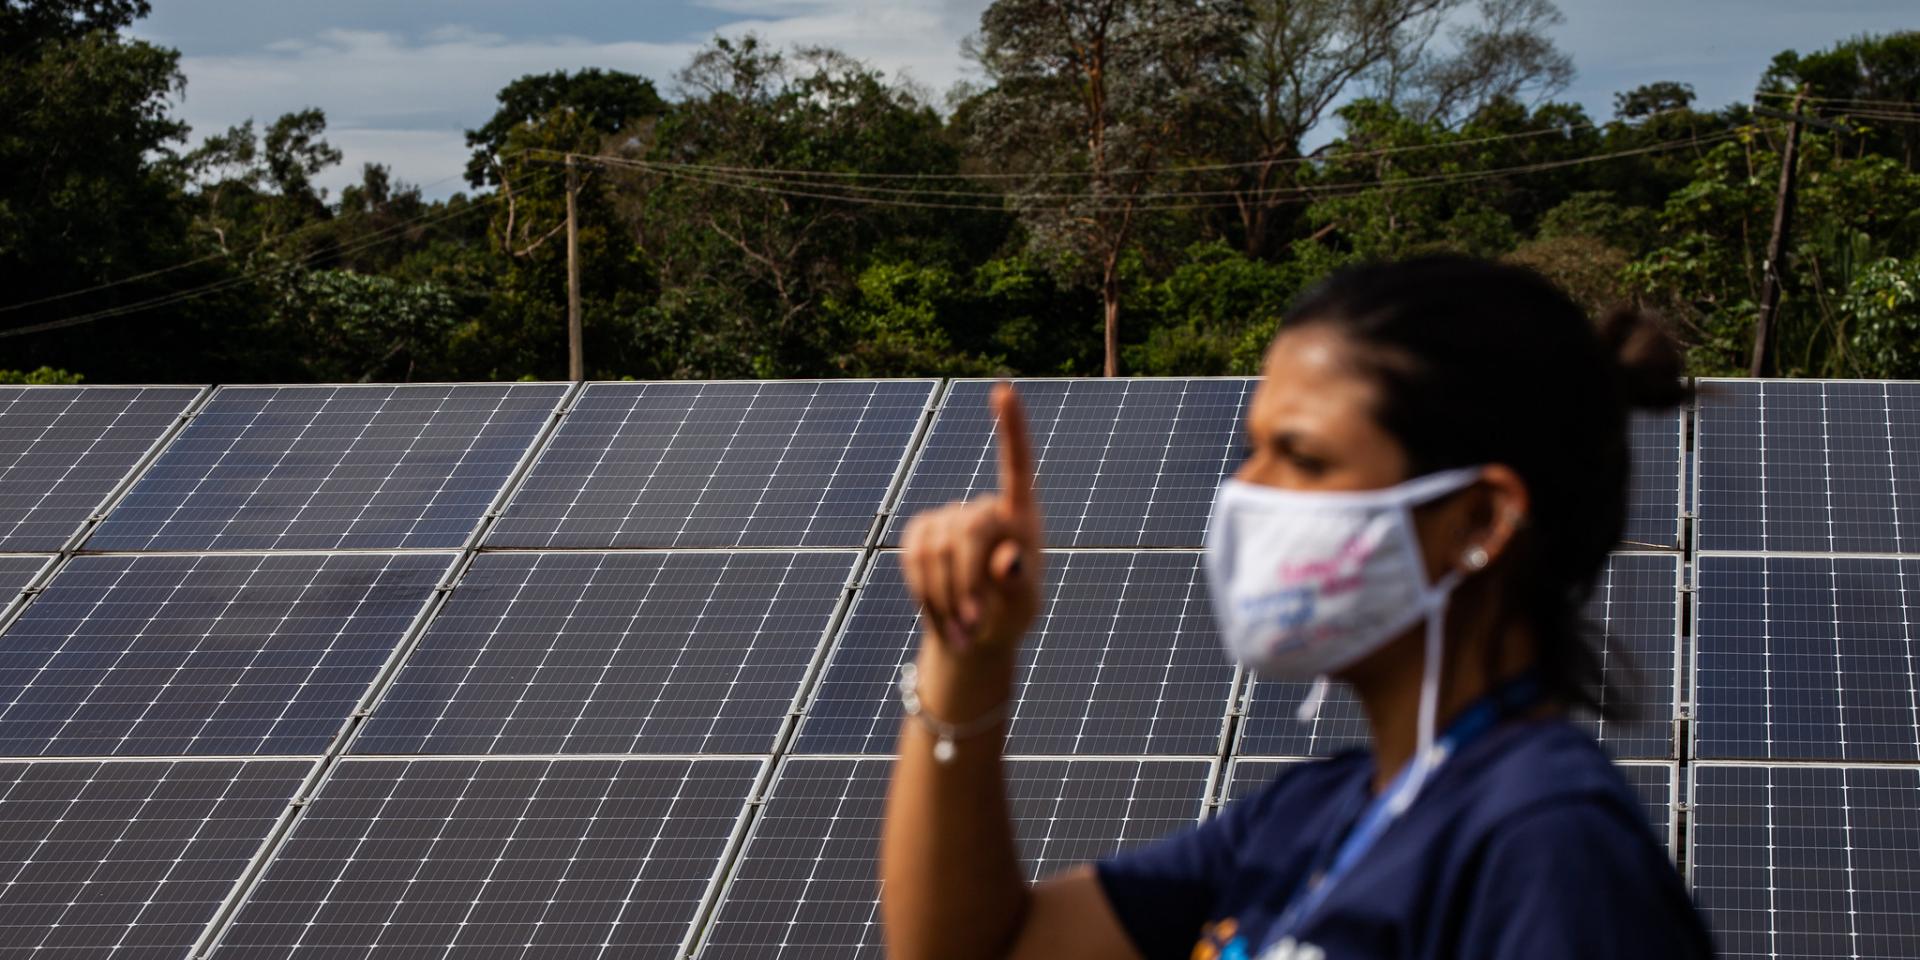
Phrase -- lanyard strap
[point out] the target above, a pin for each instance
(1511, 697)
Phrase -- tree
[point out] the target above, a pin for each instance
(1875, 78)
(776, 248)
(1303, 57)
(1106, 92)
(1648, 99)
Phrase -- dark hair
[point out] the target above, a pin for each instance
(1484, 362)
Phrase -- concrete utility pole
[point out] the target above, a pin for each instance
(576, 366)
(1764, 327)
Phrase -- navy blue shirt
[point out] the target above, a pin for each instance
(1527, 844)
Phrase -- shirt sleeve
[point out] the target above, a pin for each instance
(1583, 882)
(1163, 892)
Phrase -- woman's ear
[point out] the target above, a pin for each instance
(1497, 514)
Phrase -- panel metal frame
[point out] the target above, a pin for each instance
(16, 603)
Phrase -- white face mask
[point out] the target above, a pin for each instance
(1306, 583)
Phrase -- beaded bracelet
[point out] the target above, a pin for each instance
(944, 733)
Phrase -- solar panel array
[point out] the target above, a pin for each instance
(1805, 809)
(545, 670)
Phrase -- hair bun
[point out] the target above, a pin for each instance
(1647, 361)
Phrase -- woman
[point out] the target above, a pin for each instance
(1437, 469)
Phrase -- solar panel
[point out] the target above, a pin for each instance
(1807, 465)
(805, 885)
(211, 655)
(613, 653)
(1122, 660)
(496, 858)
(332, 468)
(1808, 861)
(1635, 604)
(1117, 463)
(1653, 489)
(1806, 658)
(129, 859)
(1654, 783)
(777, 464)
(63, 450)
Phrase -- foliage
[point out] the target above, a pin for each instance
(1129, 182)
(43, 376)
(1884, 302)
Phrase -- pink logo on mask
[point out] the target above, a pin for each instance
(1335, 575)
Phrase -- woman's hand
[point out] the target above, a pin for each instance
(974, 565)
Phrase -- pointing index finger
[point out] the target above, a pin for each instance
(1016, 452)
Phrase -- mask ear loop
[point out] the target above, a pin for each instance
(1309, 709)
(1426, 755)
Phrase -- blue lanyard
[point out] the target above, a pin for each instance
(1512, 697)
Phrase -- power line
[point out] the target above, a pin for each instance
(209, 258)
(1146, 200)
(194, 293)
(1562, 129)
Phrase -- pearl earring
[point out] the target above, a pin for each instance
(1476, 557)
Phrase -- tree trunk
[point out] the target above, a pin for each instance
(1110, 303)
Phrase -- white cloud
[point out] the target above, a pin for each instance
(405, 100)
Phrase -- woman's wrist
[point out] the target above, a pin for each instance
(959, 688)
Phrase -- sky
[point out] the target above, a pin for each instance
(400, 80)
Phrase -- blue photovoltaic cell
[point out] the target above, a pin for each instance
(805, 884)
(332, 468)
(1123, 659)
(1653, 783)
(1117, 463)
(210, 655)
(1807, 465)
(1806, 658)
(613, 653)
(472, 859)
(768, 463)
(1635, 605)
(130, 860)
(1808, 861)
(1653, 488)
(64, 449)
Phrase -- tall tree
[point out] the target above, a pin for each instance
(1302, 58)
(1110, 93)
(776, 249)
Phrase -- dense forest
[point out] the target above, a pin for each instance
(1141, 184)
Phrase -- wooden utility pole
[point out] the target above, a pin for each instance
(576, 366)
(1764, 325)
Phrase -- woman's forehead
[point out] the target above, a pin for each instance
(1308, 375)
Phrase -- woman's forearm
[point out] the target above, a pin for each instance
(951, 880)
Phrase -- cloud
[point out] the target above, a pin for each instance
(404, 99)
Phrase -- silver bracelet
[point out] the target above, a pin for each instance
(944, 733)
